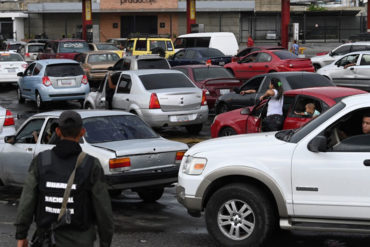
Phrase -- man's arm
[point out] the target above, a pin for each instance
(27, 203)
(102, 205)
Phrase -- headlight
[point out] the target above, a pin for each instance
(193, 165)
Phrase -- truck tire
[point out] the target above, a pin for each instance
(150, 194)
(240, 215)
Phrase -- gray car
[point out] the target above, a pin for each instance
(151, 61)
(160, 97)
(132, 155)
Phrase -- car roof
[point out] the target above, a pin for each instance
(85, 113)
(151, 71)
(326, 92)
(55, 61)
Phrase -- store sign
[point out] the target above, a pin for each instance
(138, 1)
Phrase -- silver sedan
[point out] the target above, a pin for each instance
(131, 153)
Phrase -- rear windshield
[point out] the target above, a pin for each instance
(62, 70)
(103, 58)
(152, 64)
(72, 47)
(116, 128)
(14, 46)
(35, 48)
(285, 55)
(192, 42)
(160, 81)
(6, 57)
(308, 80)
(106, 47)
(211, 53)
(201, 74)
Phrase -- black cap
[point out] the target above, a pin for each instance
(70, 119)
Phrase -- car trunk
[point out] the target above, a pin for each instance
(182, 99)
(220, 86)
(298, 63)
(67, 81)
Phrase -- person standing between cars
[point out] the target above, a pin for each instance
(250, 41)
(295, 47)
(274, 117)
(43, 192)
(111, 87)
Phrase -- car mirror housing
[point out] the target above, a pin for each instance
(20, 74)
(245, 111)
(318, 144)
(9, 139)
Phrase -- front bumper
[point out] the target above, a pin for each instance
(193, 204)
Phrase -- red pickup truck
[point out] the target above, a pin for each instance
(65, 48)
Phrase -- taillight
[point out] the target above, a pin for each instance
(46, 81)
(204, 101)
(179, 156)
(154, 102)
(209, 62)
(27, 54)
(119, 163)
(84, 80)
(9, 119)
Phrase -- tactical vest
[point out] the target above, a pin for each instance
(53, 173)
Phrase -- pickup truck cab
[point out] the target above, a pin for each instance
(64, 48)
(312, 178)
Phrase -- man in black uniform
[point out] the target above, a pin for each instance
(42, 195)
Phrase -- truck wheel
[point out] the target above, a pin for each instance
(240, 215)
(150, 194)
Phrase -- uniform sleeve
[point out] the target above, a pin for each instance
(102, 205)
(27, 203)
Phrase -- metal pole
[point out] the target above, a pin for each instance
(285, 19)
(368, 17)
(190, 14)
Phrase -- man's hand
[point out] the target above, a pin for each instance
(22, 243)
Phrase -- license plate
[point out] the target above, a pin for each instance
(182, 118)
(221, 63)
(66, 83)
(224, 91)
(11, 70)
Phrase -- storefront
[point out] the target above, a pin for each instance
(12, 25)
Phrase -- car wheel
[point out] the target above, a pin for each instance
(227, 131)
(222, 107)
(240, 215)
(88, 106)
(19, 96)
(317, 67)
(150, 194)
(81, 101)
(39, 102)
(194, 129)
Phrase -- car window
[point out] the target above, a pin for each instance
(244, 52)
(342, 50)
(165, 80)
(253, 83)
(308, 80)
(101, 85)
(91, 47)
(30, 132)
(62, 70)
(285, 54)
(250, 58)
(192, 42)
(106, 47)
(211, 53)
(8, 57)
(103, 58)
(179, 55)
(153, 64)
(37, 69)
(75, 46)
(126, 64)
(288, 104)
(118, 65)
(140, 45)
(191, 54)
(359, 48)
(169, 46)
(157, 43)
(201, 74)
(116, 128)
(299, 109)
(263, 57)
(350, 59)
(365, 59)
(35, 48)
(49, 135)
(124, 85)
(28, 71)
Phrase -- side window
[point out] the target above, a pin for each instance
(359, 48)
(365, 60)
(126, 64)
(342, 50)
(28, 71)
(50, 136)
(253, 84)
(250, 59)
(288, 105)
(124, 85)
(263, 57)
(306, 107)
(351, 59)
(169, 46)
(141, 45)
(37, 69)
(179, 55)
(245, 52)
(30, 132)
(118, 65)
(191, 54)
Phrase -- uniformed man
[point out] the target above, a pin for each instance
(42, 195)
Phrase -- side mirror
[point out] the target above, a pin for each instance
(9, 139)
(20, 74)
(318, 144)
(331, 53)
(245, 111)
(236, 90)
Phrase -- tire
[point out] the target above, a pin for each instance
(227, 131)
(81, 101)
(221, 108)
(19, 96)
(316, 66)
(150, 194)
(39, 102)
(255, 228)
(194, 128)
(88, 106)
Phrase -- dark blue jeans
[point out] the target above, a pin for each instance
(272, 123)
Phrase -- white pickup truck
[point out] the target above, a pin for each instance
(313, 178)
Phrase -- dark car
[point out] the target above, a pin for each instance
(65, 48)
(216, 80)
(260, 83)
(201, 55)
(248, 50)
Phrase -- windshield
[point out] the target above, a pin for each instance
(295, 135)
(103, 58)
(62, 70)
(35, 48)
(6, 57)
(201, 74)
(106, 47)
(72, 47)
(116, 128)
(170, 80)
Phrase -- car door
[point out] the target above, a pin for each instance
(17, 157)
(25, 82)
(362, 72)
(333, 183)
(177, 58)
(239, 100)
(262, 64)
(122, 97)
(100, 99)
(244, 68)
(345, 74)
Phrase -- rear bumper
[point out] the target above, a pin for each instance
(53, 94)
(8, 78)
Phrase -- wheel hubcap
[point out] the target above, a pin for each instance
(236, 220)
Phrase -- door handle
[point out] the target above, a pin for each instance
(29, 149)
(367, 162)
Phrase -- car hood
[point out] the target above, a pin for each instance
(142, 146)
(247, 142)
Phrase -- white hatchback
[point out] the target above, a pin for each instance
(10, 64)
